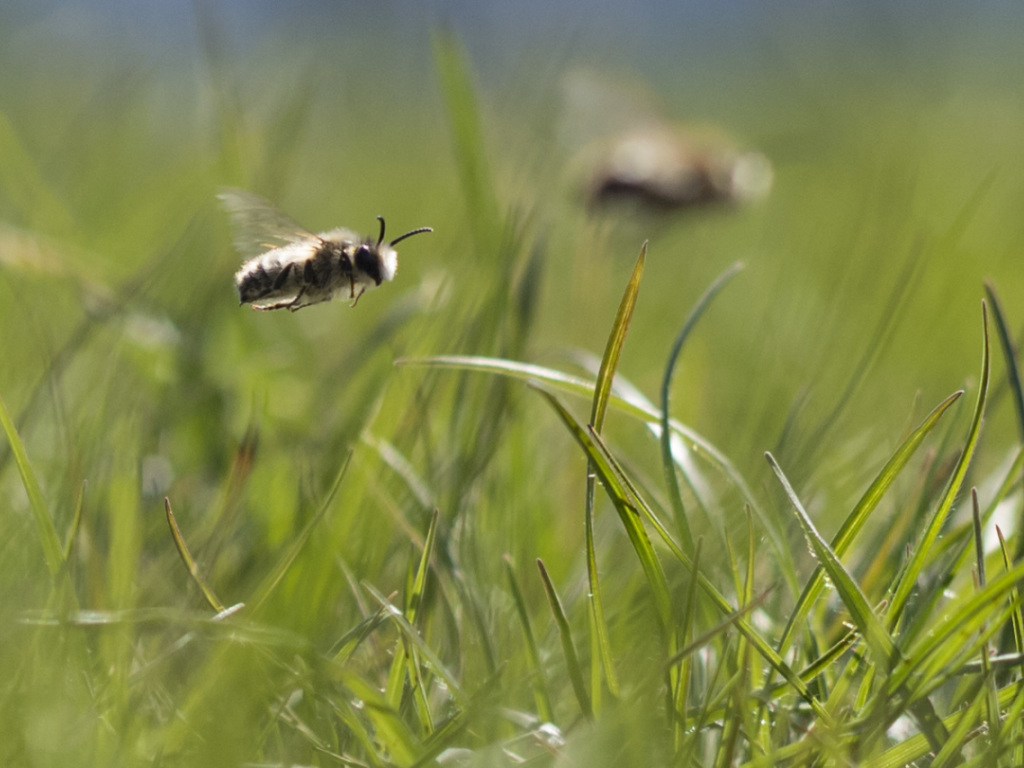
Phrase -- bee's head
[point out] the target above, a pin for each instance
(377, 262)
(380, 261)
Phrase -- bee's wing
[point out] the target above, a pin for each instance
(597, 106)
(258, 225)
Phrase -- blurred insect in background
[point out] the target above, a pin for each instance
(289, 267)
(632, 155)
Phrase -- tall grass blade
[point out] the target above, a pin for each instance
(628, 513)
(601, 658)
(627, 505)
(540, 691)
(637, 408)
(467, 140)
(53, 552)
(988, 679)
(419, 583)
(720, 628)
(1012, 376)
(1017, 619)
(923, 550)
(76, 523)
(190, 563)
(431, 658)
(668, 463)
(568, 646)
(881, 644)
(412, 606)
(616, 340)
(686, 622)
(273, 578)
(857, 518)
(877, 342)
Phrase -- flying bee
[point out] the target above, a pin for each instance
(627, 153)
(668, 169)
(288, 267)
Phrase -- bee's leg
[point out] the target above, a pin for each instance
(355, 298)
(295, 306)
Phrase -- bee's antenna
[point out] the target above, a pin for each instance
(408, 234)
(381, 238)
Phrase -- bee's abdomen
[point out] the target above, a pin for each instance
(255, 281)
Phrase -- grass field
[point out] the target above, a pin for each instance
(432, 529)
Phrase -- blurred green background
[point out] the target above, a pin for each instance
(895, 137)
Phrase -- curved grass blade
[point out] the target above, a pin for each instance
(946, 640)
(686, 668)
(616, 488)
(76, 522)
(916, 747)
(568, 647)
(881, 644)
(721, 627)
(882, 647)
(272, 579)
(436, 665)
(412, 605)
(190, 563)
(856, 520)
(1012, 374)
(879, 339)
(613, 349)
(540, 691)
(922, 552)
(390, 734)
(419, 583)
(639, 409)
(1017, 619)
(667, 461)
(986, 664)
(53, 552)
(628, 513)
(601, 658)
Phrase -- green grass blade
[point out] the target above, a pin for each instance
(273, 578)
(190, 563)
(601, 657)
(1012, 373)
(419, 583)
(568, 646)
(922, 552)
(540, 691)
(412, 604)
(668, 463)
(76, 522)
(639, 409)
(686, 622)
(986, 665)
(390, 733)
(574, 385)
(882, 646)
(849, 591)
(613, 349)
(467, 140)
(720, 628)
(955, 630)
(53, 552)
(628, 514)
(856, 520)
(1017, 619)
(417, 642)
